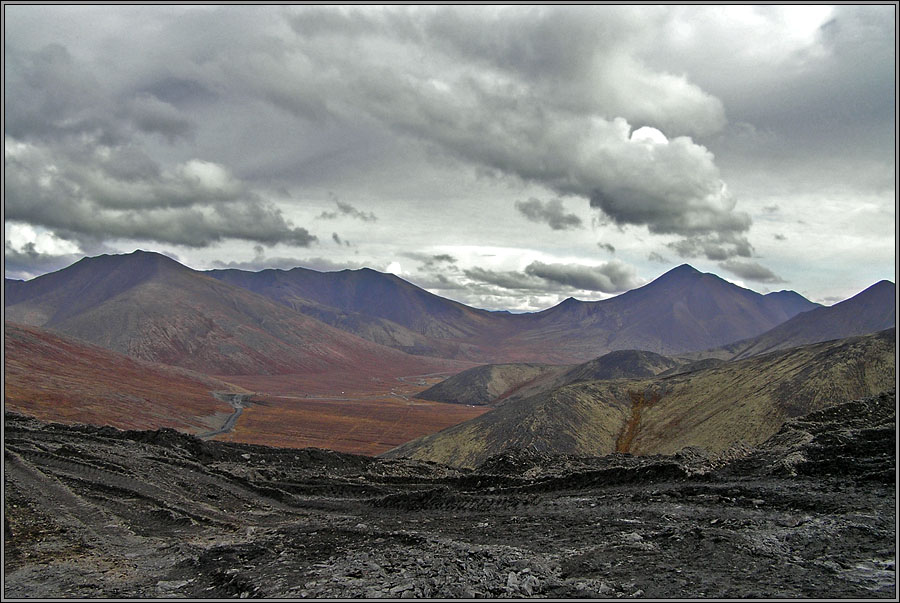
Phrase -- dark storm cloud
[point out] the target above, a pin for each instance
(345, 209)
(653, 256)
(429, 260)
(671, 188)
(611, 277)
(178, 91)
(154, 116)
(831, 93)
(49, 95)
(715, 247)
(76, 163)
(516, 281)
(534, 95)
(851, 91)
(606, 247)
(52, 97)
(751, 271)
(551, 213)
(674, 188)
(779, 237)
(337, 239)
(577, 57)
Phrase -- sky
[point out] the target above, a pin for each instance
(505, 157)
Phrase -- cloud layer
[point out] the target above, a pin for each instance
(659, 131)
(345, 209)
(487, 93)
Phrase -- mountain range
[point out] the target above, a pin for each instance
(688, 348)
(286, 321)
(683, 310)
(379, 307)
(150, 307)
(869, 311)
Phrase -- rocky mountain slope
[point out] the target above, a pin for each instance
(94, 512)
(379, 307)
(713, 408)
(680, 311)
(367, 292)
(871, 310)
(623, 364)
(150, 307)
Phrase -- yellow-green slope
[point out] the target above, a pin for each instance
(746, 400)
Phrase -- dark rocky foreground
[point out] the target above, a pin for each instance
(96, 512)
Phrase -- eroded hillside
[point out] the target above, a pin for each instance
(743, 401)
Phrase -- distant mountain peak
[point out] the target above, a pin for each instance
(136, 255)
(684, 269)
(684, 272)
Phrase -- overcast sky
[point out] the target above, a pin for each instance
(506, 157)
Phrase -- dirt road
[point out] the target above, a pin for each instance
(237, 401)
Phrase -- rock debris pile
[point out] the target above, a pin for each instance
(96, 512)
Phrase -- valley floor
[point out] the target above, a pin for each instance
(366, 416)
(96, 512)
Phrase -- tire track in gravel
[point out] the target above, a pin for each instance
(72, 511)
(169, 499)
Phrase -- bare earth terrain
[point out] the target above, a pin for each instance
(96, 512)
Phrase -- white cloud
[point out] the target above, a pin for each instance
(20, 237)
(649, 136)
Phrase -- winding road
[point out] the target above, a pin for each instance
(237, 401)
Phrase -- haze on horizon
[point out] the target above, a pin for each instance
(505, 157)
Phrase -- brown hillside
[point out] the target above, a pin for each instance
(58, 379)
